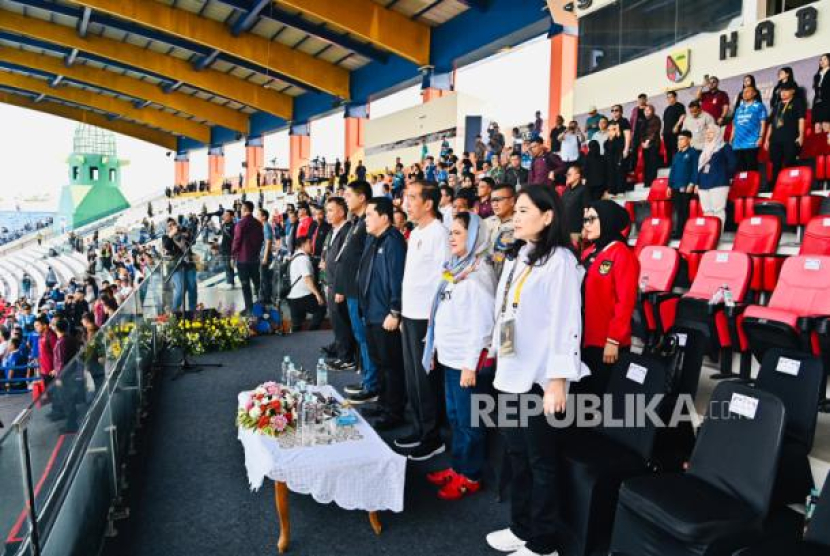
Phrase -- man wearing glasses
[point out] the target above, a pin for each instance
(625, 130)
(500, 225)
(714, 101)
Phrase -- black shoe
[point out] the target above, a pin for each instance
(329, 350)
(387, 423)
(426, 451)
(363, 397)
(353, 389)
(408, 441)
(340, 365)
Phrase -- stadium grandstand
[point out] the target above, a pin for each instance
(592, 324)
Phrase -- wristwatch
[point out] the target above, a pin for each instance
(395, 314)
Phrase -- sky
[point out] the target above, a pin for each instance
(34, 146)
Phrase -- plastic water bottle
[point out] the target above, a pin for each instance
(286, 362)
(290, 376)
(643, 283)
(322, 373)
(728, 298)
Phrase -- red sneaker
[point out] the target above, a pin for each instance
(458, 487)
(441, 478)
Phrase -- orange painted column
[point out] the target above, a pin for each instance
(432, 93)
(353, 145)
(182, 170)
(216, 169)
(563, 57)
(299, 148)
(254, 160)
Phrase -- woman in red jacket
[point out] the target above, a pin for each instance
(610, 292)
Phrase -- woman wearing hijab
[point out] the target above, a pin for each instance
(595, 171)
(460, 327)
(715, 168)
(610, 291)
(651, 145)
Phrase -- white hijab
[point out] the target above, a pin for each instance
(710, 147)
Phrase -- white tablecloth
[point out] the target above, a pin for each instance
(362, 474)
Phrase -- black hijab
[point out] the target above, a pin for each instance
(613, 219)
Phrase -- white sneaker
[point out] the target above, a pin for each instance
(524, 551)
(505, 541)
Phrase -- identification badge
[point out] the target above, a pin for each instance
(507, 338)
(706, 169)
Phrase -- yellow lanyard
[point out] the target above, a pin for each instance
(519, 285)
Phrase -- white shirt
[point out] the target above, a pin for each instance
(697, 126)
(548, 323)
(446, 216)
(300, 268)
(464, 319)
(600, 137)
(426, 251)
(569, 152)
(377, 189)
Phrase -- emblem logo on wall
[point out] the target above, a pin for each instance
(678, 65)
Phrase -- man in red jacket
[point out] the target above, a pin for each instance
(47, 339)
(248, 238)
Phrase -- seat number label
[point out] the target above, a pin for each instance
(637, 373)
(788, 366)
(745, 406)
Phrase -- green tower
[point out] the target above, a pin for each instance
(94, 189)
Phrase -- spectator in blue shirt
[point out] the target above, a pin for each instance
(748, 128)
(429, 168)
(15, 361)
(683, 177)
(716, 165)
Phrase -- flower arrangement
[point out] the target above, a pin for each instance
(271, 410)
(208, 334)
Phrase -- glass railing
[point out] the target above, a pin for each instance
(62, 460)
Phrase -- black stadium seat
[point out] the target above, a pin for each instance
(595, 462)
(720, 503)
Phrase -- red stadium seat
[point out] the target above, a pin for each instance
(816, 240)
(694, 310)
(700, 235)
(791, 200)
(657, 204)
(653, 231)
(758, 237)
(742, 194)
(658, 270)
(822, 169)
(798, 313)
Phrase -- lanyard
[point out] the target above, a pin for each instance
(520, 284)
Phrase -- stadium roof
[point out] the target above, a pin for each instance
(186, 74)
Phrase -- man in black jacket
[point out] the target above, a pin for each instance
(515, 175)
(380, 283)
(358, 194)
(225, 245)
(342, 350)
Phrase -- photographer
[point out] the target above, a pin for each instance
(176, 245)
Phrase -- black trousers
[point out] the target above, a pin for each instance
(248, 274)
(425, 391)
(303, 306)
(386, 352)
(266, 283)
(670, 142)
(651, 163)
(228, 263)
(746, 160)
(344, 343)
(534, 454)
(782, 155)
(680, 200)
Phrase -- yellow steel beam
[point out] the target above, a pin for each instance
(176, 69)
(149, 116)
(386, 29)
(213, 34)
(137, 131)
(192, 105)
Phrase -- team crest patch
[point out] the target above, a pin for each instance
(605, 267)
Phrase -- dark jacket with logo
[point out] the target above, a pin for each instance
(331, 251)
(349, 259)
(380, 277)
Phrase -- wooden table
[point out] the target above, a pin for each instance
(283, 512)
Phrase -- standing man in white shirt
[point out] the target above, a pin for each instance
(425, 257)
(445, 206)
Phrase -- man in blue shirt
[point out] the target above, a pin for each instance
(682, 179)
(266, 255)
(748, 128)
